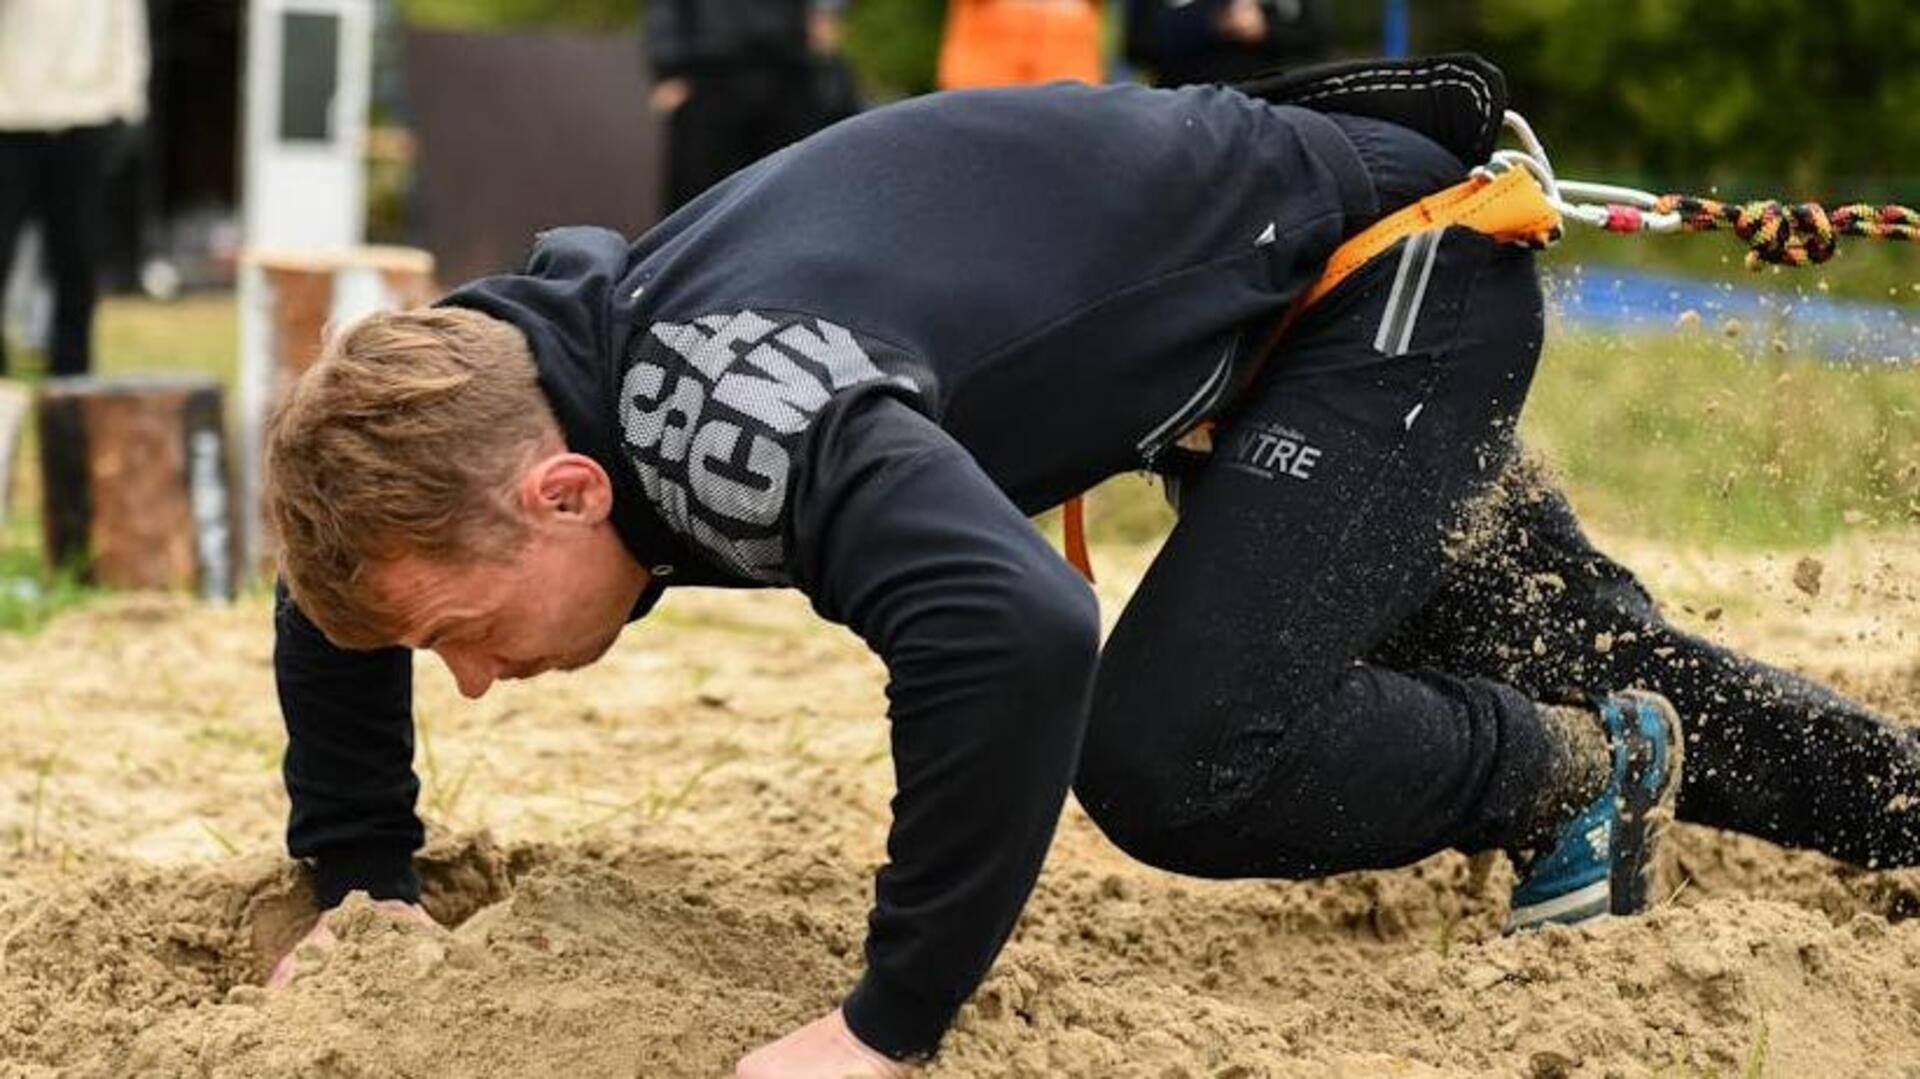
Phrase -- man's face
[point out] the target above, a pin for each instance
(557, 603)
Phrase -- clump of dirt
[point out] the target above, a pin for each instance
(1806, 575)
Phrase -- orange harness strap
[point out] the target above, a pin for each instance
(1073, 535)
(1508, 206)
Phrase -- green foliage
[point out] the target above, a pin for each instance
(894, 44)
(29, 595)
(522, 14)
(1698, 92)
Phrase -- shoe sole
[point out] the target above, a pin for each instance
(1645, 816)
(1570, 909)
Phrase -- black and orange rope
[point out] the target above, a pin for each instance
(1792, 234)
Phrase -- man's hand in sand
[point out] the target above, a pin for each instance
(823, 1049)
(322, 940)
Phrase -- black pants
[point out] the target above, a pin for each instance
(1333, 663)
(1240, 724)
(60, 179)
(733, 117)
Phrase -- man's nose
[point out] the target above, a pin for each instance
(472, 673)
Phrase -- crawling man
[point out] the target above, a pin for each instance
(856, 367)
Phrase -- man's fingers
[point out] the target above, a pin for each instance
(823, 1049)
(405, 911)
(311, 950)
(282, 972)
(307, 952)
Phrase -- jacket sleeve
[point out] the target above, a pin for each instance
(349, 762)
(990, 641)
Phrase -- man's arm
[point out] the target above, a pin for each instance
(349, 762)
(990, 641)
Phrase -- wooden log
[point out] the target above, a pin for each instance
(298, 293)
(134, 473)
(303, 285)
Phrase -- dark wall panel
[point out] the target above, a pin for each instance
(522, 132)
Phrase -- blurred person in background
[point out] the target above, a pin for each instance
(1186, 42)
(1012, 42)
(736, 80)
(73, 75)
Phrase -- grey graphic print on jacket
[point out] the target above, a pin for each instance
(711, 411)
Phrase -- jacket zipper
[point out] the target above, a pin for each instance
(1196, 407)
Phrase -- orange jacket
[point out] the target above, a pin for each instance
(1008, 42)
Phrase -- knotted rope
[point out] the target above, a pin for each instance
(1776, 233)
(1791, 235)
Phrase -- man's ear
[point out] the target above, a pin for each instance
(568, 487)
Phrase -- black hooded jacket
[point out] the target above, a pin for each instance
(855, 368)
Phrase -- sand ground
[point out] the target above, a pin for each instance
(656, 863)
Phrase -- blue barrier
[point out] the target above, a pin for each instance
(1627, 301)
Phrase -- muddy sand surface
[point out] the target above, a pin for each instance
(654, 864)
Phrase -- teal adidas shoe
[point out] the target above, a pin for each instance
(1601, 861)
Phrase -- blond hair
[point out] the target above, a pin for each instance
(406, 437)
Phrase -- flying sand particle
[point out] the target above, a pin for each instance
(1806, 575)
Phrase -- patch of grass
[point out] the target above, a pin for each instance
(197, 334)
(30, 595)
(1443, 943)
(231, 848)
(1686, 438)
(42, 770)
(1756, 1066)
(661, 801)
(1681, 437)
(441, 793)
(247, 740)
(1129, 509)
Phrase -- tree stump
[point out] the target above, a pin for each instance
(299, 294)
(134, 472)
(304, 287)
